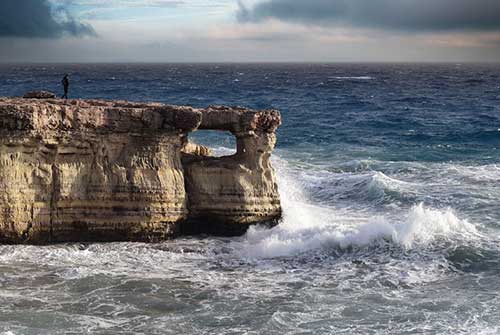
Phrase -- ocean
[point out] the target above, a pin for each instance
(390, 181)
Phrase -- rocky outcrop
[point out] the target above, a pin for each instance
(39, 95)
(91, 170)
(240, 188)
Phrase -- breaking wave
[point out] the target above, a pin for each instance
(351, 78)
(307, 226)
(420, 226)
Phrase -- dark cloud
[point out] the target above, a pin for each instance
(405, 15)
(36, 18)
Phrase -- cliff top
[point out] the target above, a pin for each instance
(50, 114)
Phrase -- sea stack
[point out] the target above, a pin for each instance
(93, 170)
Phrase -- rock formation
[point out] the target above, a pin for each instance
(234, 189)
(91, 170)
(39, 95)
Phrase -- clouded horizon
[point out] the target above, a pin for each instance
(249, 30)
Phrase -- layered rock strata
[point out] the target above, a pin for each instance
(91, 170)
(240, 188)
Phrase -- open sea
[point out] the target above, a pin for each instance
(390, 181)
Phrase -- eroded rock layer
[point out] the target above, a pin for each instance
(90, 170)
(240, 188)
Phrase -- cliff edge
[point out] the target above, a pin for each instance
(93, 170)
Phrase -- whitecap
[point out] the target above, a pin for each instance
(316, 228)
(352, 78)
(306, 226)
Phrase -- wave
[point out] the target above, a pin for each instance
(351, 78)
(362, 187)
(298, 234)
(380, 185)
(307, 226)
(489, 173)
(376, 187)
(450, 171)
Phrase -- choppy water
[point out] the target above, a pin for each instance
(390, 181)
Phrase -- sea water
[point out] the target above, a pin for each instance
(390, 182)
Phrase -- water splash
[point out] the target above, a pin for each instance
(307, 226)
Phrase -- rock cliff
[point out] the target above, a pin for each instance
(91, 170)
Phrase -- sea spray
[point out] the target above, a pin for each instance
(424, 225)
(307, 226)
(420, 226)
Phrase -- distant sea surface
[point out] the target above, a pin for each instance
(390, 180)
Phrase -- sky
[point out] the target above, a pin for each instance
(249, 30)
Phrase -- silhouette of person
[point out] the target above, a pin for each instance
(65, 83)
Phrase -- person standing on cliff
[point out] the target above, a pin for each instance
(65, 83)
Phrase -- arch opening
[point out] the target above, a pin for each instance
(221, 143)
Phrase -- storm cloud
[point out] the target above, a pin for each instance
(403, 15)
(37, 19)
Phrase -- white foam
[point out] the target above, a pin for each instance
(481, 173)
(379, 183)
(353, 78)
(307, 227)
(318, 228)
(484, 330)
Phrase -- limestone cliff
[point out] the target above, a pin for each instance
(240, 188)
(91, 170)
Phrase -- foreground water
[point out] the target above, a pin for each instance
(390, 181)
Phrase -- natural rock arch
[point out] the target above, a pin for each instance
(92, 170)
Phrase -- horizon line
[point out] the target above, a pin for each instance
(241, 62)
